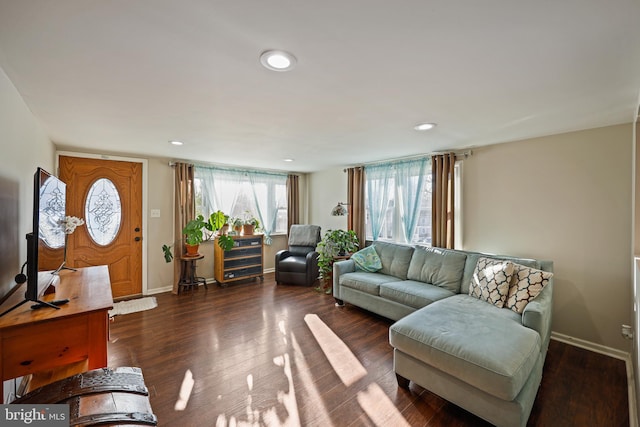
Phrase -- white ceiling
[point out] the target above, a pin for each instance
(129, 75)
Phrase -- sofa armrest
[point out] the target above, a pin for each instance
(339, 268)
(537, 314)
(282, 254)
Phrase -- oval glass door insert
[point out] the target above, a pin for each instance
(52, 207)
(103, 211)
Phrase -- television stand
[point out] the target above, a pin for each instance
(35, 341)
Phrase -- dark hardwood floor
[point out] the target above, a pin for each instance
(254, 354)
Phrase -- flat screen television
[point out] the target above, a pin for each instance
(46, 243)
(49, 210)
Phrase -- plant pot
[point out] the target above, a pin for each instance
(225, 229)
(192, 250)
(248, 229)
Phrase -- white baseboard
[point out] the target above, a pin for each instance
(615, 353)
(210, 280)
(159, 290)
(588, 345)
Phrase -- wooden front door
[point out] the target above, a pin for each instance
(107, 194)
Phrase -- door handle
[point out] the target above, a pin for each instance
(137, 239)
(137, 229)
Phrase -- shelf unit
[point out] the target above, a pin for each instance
(244, 261)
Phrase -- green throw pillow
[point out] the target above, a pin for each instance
(367, 259)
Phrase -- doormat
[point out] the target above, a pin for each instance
(132, 306)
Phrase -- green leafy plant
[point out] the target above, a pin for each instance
(168, 256)
(225, 242)
(236, 224)
(335, 243)
(250, 223)
(194, 232)
(253, 221)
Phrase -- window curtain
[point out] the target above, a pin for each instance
(355, 199)
(443, 196)
(293, 201)
(264, 190)
(217, 194)
(377, 186)
(184, 212)
(410, 180)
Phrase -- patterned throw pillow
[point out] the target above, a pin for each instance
(526, 284)
(490, 281)
(367, 259)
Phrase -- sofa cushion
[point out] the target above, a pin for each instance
(365, 282)
(472, 260)
(293, 264)
(367, 259)
(413, 294)
(437, 266)
(525, 285)
(491, 280)
(478, 343)
(395, 258)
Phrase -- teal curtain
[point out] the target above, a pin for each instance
(379, 182)
(268, 201)
(236, 191)
(410, 179)
(218, 190)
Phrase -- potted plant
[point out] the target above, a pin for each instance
(194, 232)
(335, 243)
(217, 222)
(250, 224)
(236, 225)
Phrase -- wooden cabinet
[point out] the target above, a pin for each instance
(35, 341)
(244, 261)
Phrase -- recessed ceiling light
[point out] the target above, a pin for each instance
(173, 142)
(287, 160)
(277, 60)
(424, 126)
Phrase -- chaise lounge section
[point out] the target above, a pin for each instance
(472, 328)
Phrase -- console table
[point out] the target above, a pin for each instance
(33, 341)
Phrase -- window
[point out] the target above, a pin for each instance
(398, 201)
(239, 192)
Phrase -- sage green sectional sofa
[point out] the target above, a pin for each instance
(472, 328)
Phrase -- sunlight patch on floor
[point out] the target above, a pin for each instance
(379, 407)
(375, 403)
(270, 416)
(342, 360)
(310, 391)
(185, 391)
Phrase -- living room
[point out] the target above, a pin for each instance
(566, 195)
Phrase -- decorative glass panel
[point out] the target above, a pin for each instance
(103, 211)
(52, 208)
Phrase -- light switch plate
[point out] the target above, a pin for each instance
(155, 213)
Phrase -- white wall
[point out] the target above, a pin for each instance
(24, 146)
(566, 198)
(326, 189)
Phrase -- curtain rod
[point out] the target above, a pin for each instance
(460, 155)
